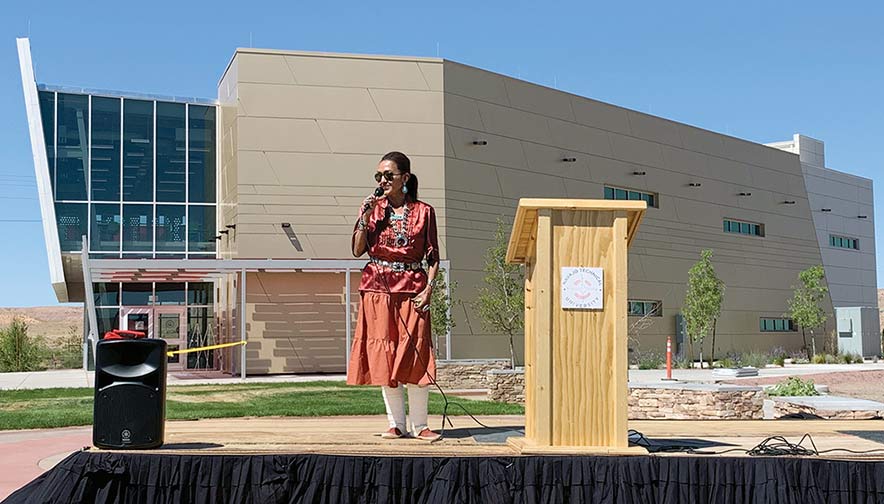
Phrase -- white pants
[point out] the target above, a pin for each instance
(394, 400)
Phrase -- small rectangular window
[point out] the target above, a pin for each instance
(844, 242)
(609, 193)
(619, 193)
(776, 325)
(746, 228)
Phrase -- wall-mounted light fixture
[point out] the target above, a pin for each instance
(862, 216)
(639, 173)
(231, 226)
(224, 231)
(480, 142)
(695, 184)
(569, 160)
(745, 194)
(789, 202)
(293, 238)
(825, 209)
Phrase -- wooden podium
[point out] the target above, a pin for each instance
(575, 332)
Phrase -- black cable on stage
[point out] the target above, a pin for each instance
(426, 366)
(773, 446)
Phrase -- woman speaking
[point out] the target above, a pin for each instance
(393, 345)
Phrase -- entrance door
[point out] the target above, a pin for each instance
(137, 318)
(171, 325)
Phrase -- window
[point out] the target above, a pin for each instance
(137, 294)
(641, 308)
(105, 227)
(777, 325)
(617, 193)
(201, 165)
(171, 152)
(105, 152)
(72, 144)
(201, 229)
(169, 293)
(199, 293)
(200, 322)
(72, 223)
(138, 227)
(745, 228)
(106, 294)
(170, 228)
(137, 150)
(844, 242)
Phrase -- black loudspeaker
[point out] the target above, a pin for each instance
(130, 394)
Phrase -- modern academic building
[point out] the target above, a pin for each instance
(196, 210)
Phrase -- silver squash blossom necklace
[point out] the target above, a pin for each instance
(400, 226)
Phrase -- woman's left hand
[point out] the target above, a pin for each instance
(422, 299)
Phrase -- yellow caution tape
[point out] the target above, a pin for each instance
(211, 347)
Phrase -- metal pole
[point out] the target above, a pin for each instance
(89, 300)
(242, 323)
(347, 315)
(448, 295)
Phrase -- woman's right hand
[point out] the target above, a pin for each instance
(369, 203)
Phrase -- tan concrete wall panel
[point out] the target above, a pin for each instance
(357, 72)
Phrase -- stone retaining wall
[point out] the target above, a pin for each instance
(695, 401)
(788, 406)
(675, 401)
(506, 385)
(460, 374)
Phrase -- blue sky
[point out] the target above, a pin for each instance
(756, 70)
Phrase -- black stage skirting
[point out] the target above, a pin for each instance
(96, 477)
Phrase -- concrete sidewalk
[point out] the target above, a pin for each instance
(705, 375)
(74, 378)
(24, 455)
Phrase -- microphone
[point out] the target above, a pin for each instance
(378, 191)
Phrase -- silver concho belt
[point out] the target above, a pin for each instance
(398, 266)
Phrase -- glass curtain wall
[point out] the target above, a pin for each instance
(136, 176)
(196, 297)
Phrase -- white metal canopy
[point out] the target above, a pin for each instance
(197, 270)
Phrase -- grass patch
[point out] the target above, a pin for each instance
(51, 408)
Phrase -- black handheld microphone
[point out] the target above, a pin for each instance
(378, 191)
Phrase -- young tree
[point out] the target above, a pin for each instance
(19, 351)
(702, 302)
(804, 307)
(501, 301)
(441, 303)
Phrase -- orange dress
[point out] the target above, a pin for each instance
(393, 343)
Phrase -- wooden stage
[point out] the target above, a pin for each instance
(356, 435)
(340, 459)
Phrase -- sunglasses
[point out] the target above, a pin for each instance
(387, 175)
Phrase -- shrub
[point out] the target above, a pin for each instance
(778, 356)
(67, 353)
(18, 350)
(818, 359)
(683, 363)
(728, 362)
(648, 359)
(793, 386)
(831, 359)
(799, 358)
(858, 359)
(755, 359)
